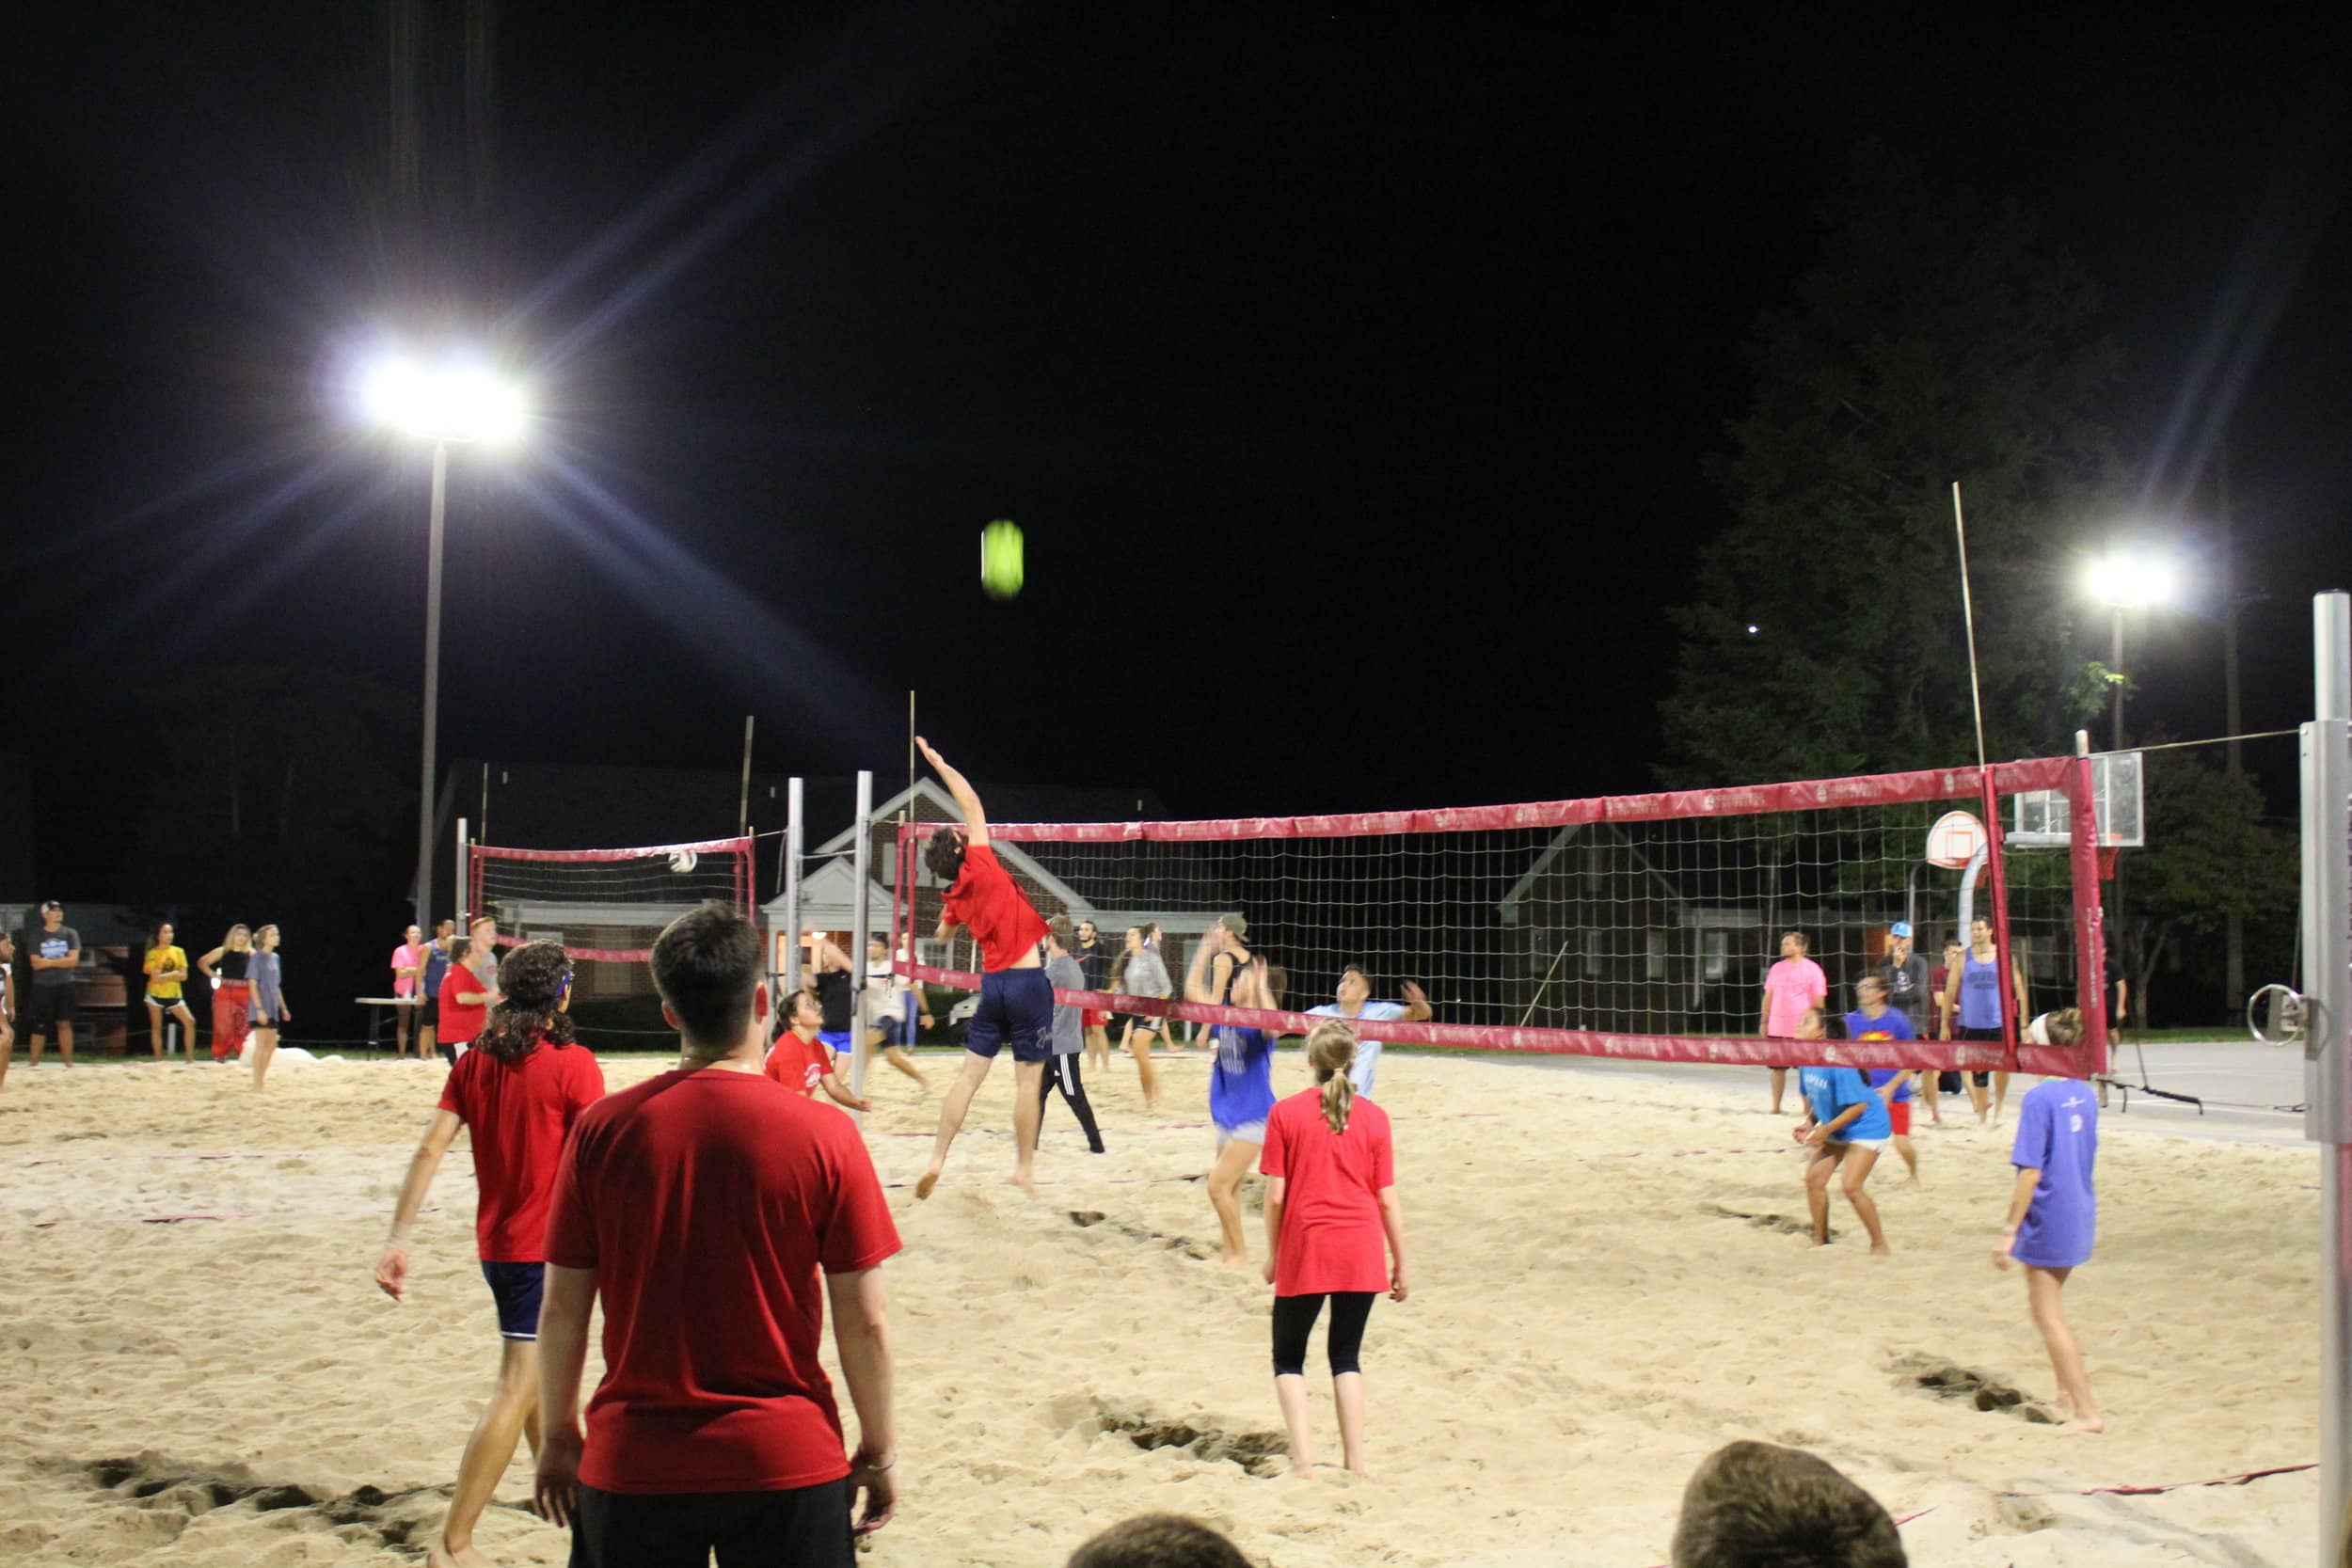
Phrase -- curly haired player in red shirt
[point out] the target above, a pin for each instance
(1016, 998)
(519, 1090)
(802, 1061)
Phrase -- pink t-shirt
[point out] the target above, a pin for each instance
(406, 956)
(1794, 984)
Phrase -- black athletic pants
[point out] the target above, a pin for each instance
(806, 1528)
(1062, 1072)
(1295, 1320)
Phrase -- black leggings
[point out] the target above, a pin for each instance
(1062, 1072)
(1294, 1319)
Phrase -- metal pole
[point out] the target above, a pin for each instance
(743, 796)
(465, 881)
(788, 980)
(2328, 1075)
(2115, 673)
(860, 857)
(432, 685)
(2234, 922)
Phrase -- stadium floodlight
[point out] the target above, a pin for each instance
(2121, 580)
(2132, 581)
(462, 402)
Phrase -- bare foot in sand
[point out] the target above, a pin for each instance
(464, 1557)
(1027, 1184)
(929, 1179)
(1882, 1250)
(1297, 1472)
(1236, 1261)
(2086, 1423)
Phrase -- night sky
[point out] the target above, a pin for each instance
(1350, 369)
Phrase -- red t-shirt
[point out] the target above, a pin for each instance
(986, 900)
(706, 1202)
(459, 1022)
(1332, 1239)
(798, 1064)
(519, 1113)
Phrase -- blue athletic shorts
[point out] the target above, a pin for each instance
(516, 1288)
(1016, 1007)
(835, 1040)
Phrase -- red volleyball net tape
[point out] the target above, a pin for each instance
(1638, 927)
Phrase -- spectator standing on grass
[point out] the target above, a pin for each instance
(56, 954)
(718, 1214)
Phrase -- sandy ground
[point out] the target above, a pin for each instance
(198, 1371)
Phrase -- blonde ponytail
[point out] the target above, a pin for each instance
(1331, 1050)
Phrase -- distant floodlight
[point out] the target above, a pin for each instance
(1751, 629)
(456, 403)
(2131, 581)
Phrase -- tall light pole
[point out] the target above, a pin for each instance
(2126, 581)
(449, 403)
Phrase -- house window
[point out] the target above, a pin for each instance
(1594, 942)
(1655, 961)
(1596, 868)
(1539, 952)
(1714, 954)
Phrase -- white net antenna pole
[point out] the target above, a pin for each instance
(465, 882)
(858, 857)
(2328, 1075)
(788, 969)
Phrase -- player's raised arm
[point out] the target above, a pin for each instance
(1197, 975)
(974, 816)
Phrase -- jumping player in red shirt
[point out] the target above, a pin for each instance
(519, 1090)
(703, 1205)
(1330, 1201)
(802, 1061)
(1016, 998)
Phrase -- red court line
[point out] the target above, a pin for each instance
(2175, 1486)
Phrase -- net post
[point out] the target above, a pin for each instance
(2326, 746)
(788, 983)
(2012, 1025)
(860, 859)
(465, 884)
(2091, 939)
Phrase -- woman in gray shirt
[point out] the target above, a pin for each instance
(1142, 972)
(269, 1000)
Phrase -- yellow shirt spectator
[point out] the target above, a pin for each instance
(163, 960)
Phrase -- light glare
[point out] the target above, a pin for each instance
(2132, 582)
(461, 403)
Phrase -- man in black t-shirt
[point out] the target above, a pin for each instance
(1094, 960)
(1905, 975)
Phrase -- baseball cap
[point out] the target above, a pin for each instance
(1900, 928)
(1234, 924)
(48, 904)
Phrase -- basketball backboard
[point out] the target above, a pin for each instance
(2043, 818)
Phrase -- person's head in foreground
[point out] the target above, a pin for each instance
(1753, 1505)
(706, 966)
(1158, 1540)
(535, 1003)
(1057, 934)
(1869, 994)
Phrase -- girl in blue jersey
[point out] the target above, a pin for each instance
(1973, 1000)
(1846, 1128)
(1241, 1086)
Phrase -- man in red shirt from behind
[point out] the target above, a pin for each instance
(519, 1090)
(803, 1063)
(703, 1206)
(1016, 998)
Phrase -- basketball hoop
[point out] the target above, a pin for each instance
(1956, 839)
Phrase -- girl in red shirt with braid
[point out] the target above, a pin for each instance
(1331, 1203)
